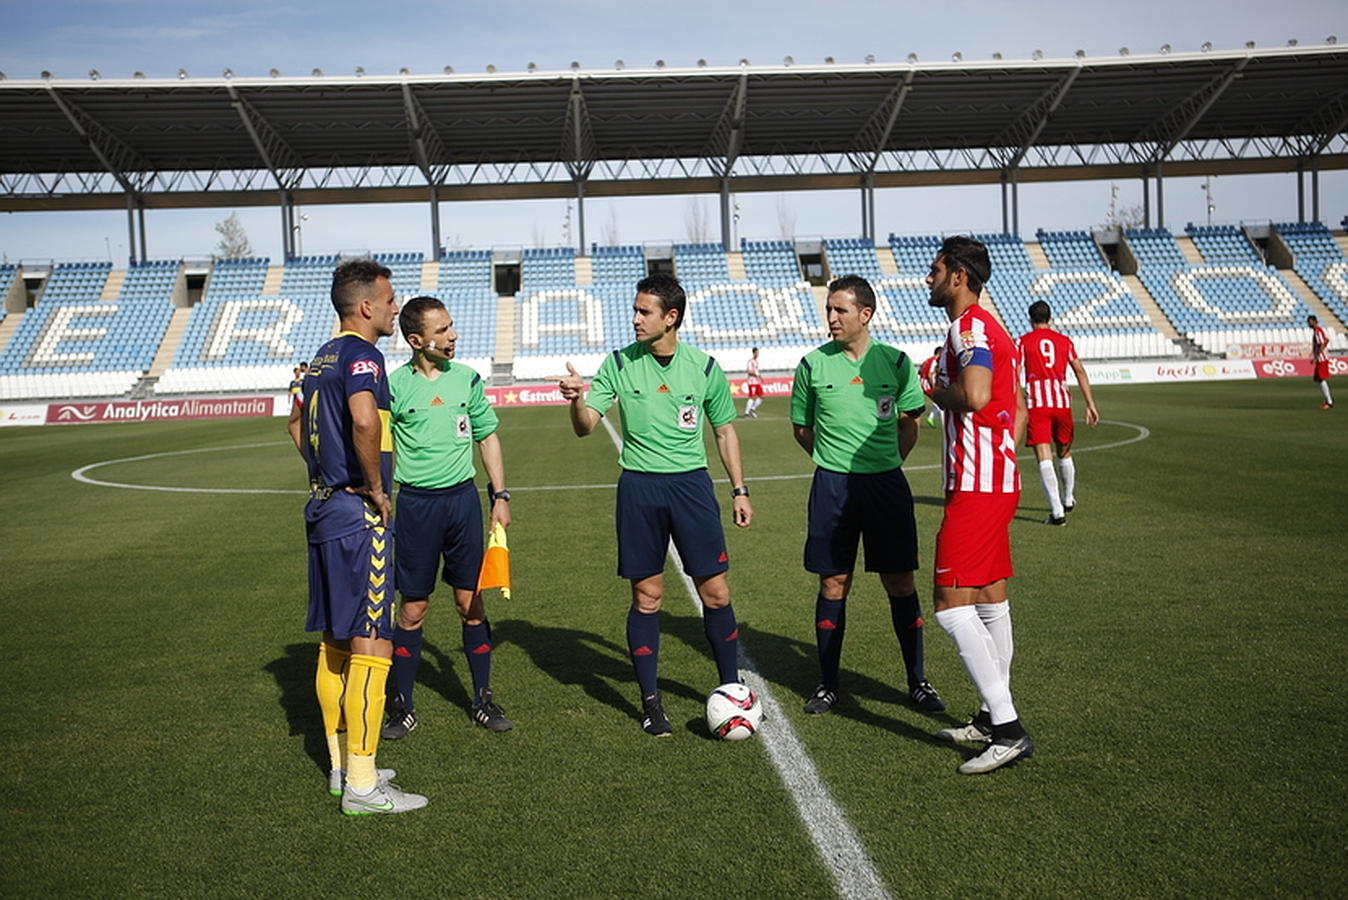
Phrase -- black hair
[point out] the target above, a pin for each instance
(1040, 312)
(858, 287)
(670, 292)
(961, 252)
(350, 281)
(413, 314)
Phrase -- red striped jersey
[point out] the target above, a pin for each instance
(980, 447)
(1319, 345)
(1046, 354)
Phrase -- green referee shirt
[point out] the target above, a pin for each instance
(436, 422)
(853, 405)
(662, 406)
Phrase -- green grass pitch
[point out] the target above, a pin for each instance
(1179, 661)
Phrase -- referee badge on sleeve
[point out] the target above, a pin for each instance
(884, 407)
(461, 429)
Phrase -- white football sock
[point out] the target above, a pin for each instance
(978, 652)
(1069, 480)
(1049, 479)
(996, 618)
(1324, 389)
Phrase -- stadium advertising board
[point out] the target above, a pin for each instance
(1296, 368)
(1268, 351)
(1160, 372)
(549, 395)
(30, 414)
(160, 410)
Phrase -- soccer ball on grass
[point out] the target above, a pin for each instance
(733, 712)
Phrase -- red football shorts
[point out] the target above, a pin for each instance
(755, 390)
(973, 546)
(1049, 424)
(1321, 371)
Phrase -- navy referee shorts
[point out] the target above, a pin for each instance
(655, 507)
(438, 527)
(878, 508)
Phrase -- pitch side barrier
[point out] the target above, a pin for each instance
(547, 394)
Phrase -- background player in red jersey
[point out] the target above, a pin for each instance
(754, 386)
(1320, 360)
(926, 376)
(1047, 354)
(978, 386)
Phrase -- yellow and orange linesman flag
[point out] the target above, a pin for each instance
(496, 562)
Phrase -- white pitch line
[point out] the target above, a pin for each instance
(82, 474)
(838, 845)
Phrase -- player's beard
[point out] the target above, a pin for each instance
(940, 294)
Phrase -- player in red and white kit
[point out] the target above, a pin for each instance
(754, 385)
(978, 387)
(1047, 354)
(1320, 360)
(926, 376)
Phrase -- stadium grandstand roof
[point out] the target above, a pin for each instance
(229, 140)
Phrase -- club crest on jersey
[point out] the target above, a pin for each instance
(967, 338)
(365, 367)
(461, 429)
(884, 407)
(688, 418)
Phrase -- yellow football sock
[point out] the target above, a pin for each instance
(366, 679)
(329, 685)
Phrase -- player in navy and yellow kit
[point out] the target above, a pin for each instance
(665, 390)
(340, 427)
(439, 410)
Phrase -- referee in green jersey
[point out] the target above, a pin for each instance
(855, 405)
(439, 410)
(666, 389)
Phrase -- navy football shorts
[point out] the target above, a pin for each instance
(654, 507)
(438, 528)
(877, 507)
(351, 585)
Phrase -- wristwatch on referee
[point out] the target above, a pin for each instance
(502, 494)
(741, 491)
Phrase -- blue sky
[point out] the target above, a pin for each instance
(158, 38)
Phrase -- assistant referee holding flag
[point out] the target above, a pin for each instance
(439, 409)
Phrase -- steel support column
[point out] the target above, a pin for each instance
(287, 227)
(1315, 190)
(434, 191)
(726, 237)
(131, 228)
(1005, 223)
(1160, 196)
(1146, 200)
(580, 216)
(1301, 191)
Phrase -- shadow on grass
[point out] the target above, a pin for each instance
(586, 660)
(440, 677)
(294, 674)
(793, 666)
